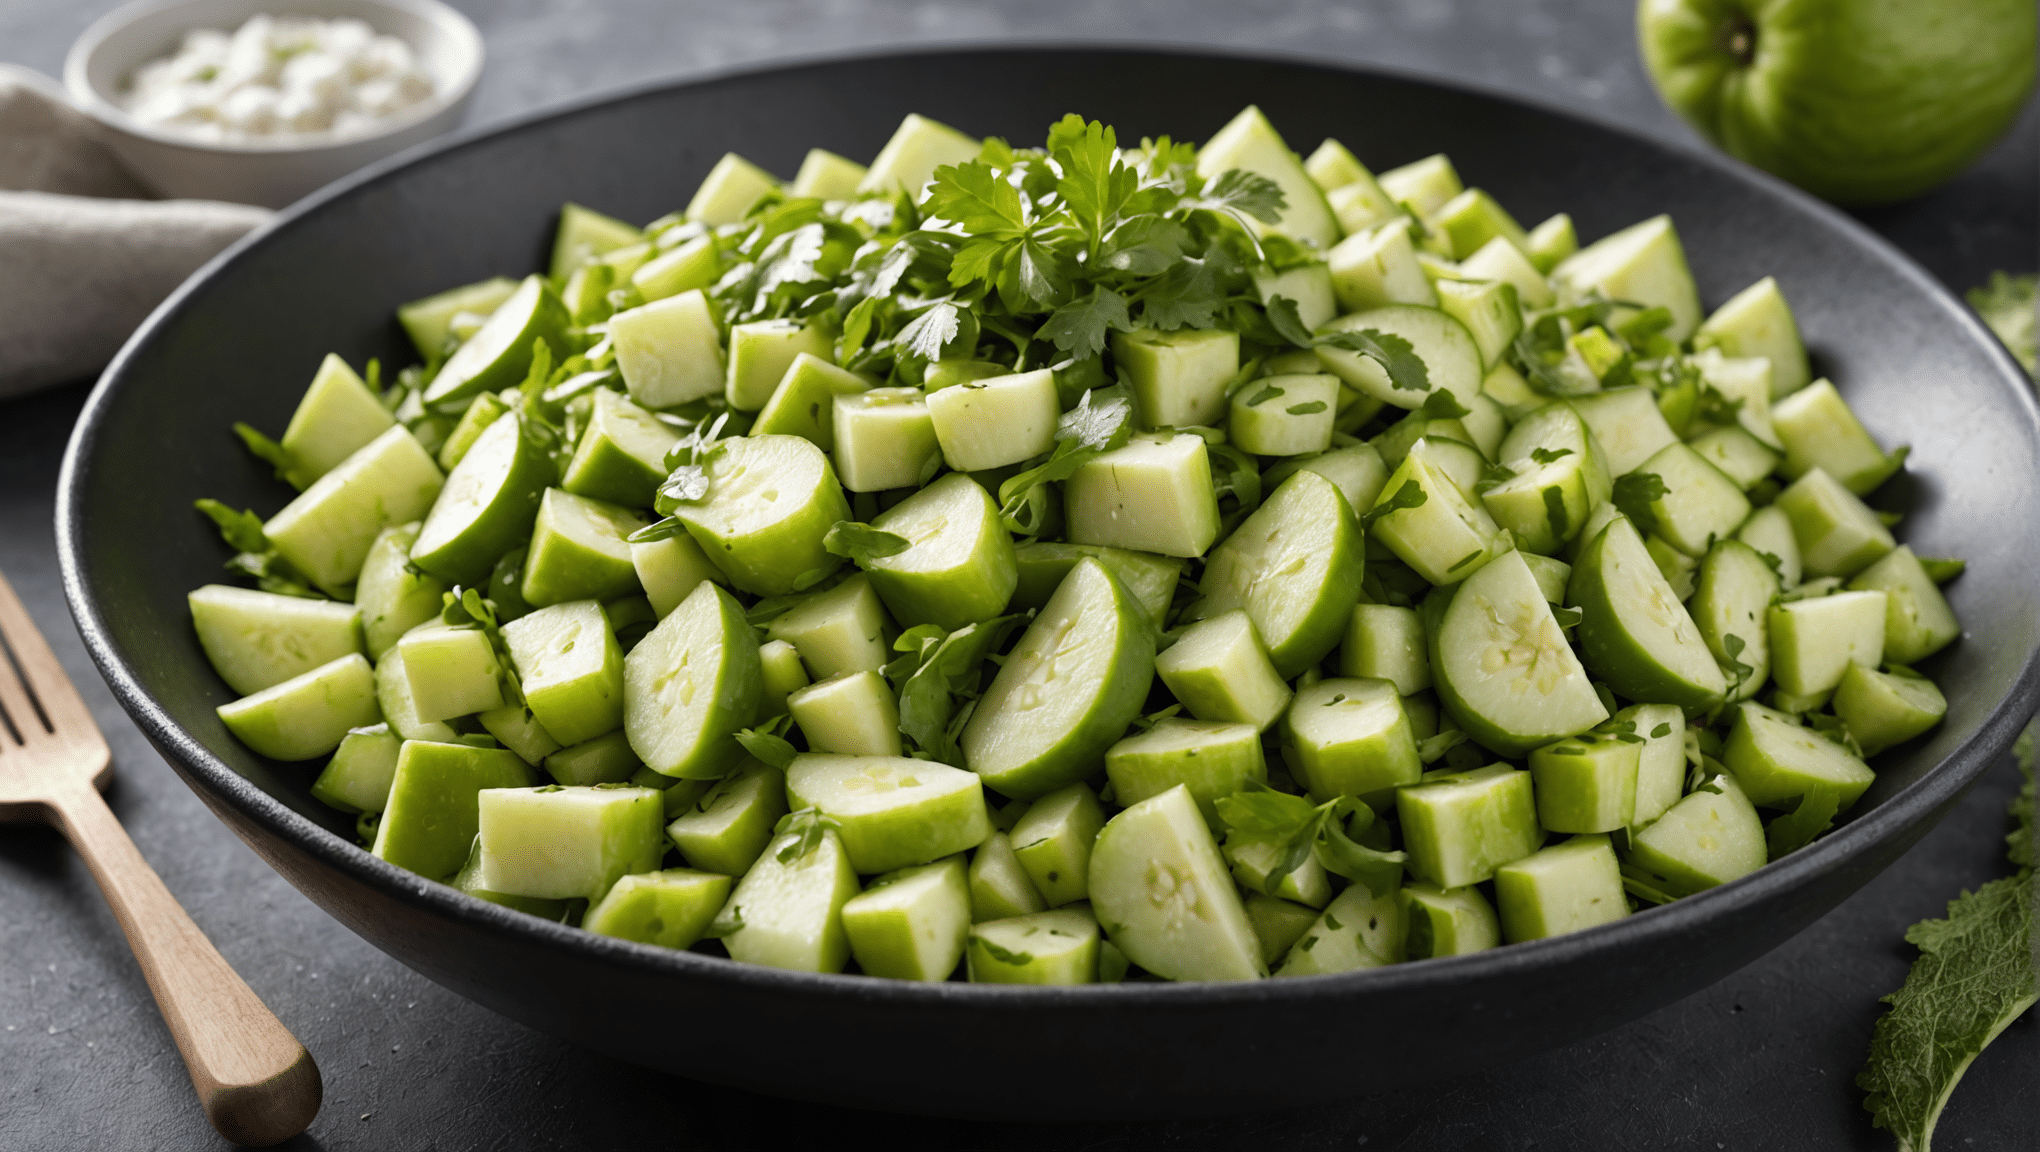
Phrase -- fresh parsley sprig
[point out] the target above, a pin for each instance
(1301, 829)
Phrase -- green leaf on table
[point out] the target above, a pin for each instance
(1974, 976)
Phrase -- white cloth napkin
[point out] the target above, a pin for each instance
(84, 253)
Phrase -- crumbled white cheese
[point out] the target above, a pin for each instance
(277, 78)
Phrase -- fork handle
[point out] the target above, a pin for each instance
(257, 1084)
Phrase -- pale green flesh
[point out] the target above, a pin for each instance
(1059, 947)
(1883, 709)
(1294, 566)
(1251, 143)
(1163, 895)
(1661, 765)
(1052, 840)
(309, 714)
(1777, 762)
(578, 551)
(1707, 839)
(497, 356)
(1450, 355)
(690, 685)
(259, 639)
(791, 910)
(853, 714)
(1732, 598)
(1353, 739)
(571, 670)
(392, 598)
(911, 925)
(426, 321)
(959, 566)
(563, 843)
(433, 813)
(327, 531)
(670, 909)
(999, 884)
(1586, 783)
(771, 500)
(1565, 888)
(359, 776)
(1635, 633)
(486, 507)
(1917, 621)
(726, 828)
(833, 548)
(1212, 759)
(1447, 922)
(1501, 661)
(1361, 928)
(337, 416)
(621, 457)
(1459, 827)
(891, 812)
(1385, 642)
(1065, 693)
(1220, 672)
(1278, 923)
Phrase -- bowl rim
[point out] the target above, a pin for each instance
(1833, 853)
(87, 98)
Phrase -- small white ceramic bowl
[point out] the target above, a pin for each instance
(272, 174)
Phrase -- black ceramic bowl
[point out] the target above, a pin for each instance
(241, 339)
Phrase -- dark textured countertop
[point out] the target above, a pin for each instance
(1763, 1060)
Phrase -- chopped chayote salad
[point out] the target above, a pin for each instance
(1054, 563)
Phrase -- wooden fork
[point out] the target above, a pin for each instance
(257, 1084)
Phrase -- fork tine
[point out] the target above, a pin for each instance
(45, 678)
